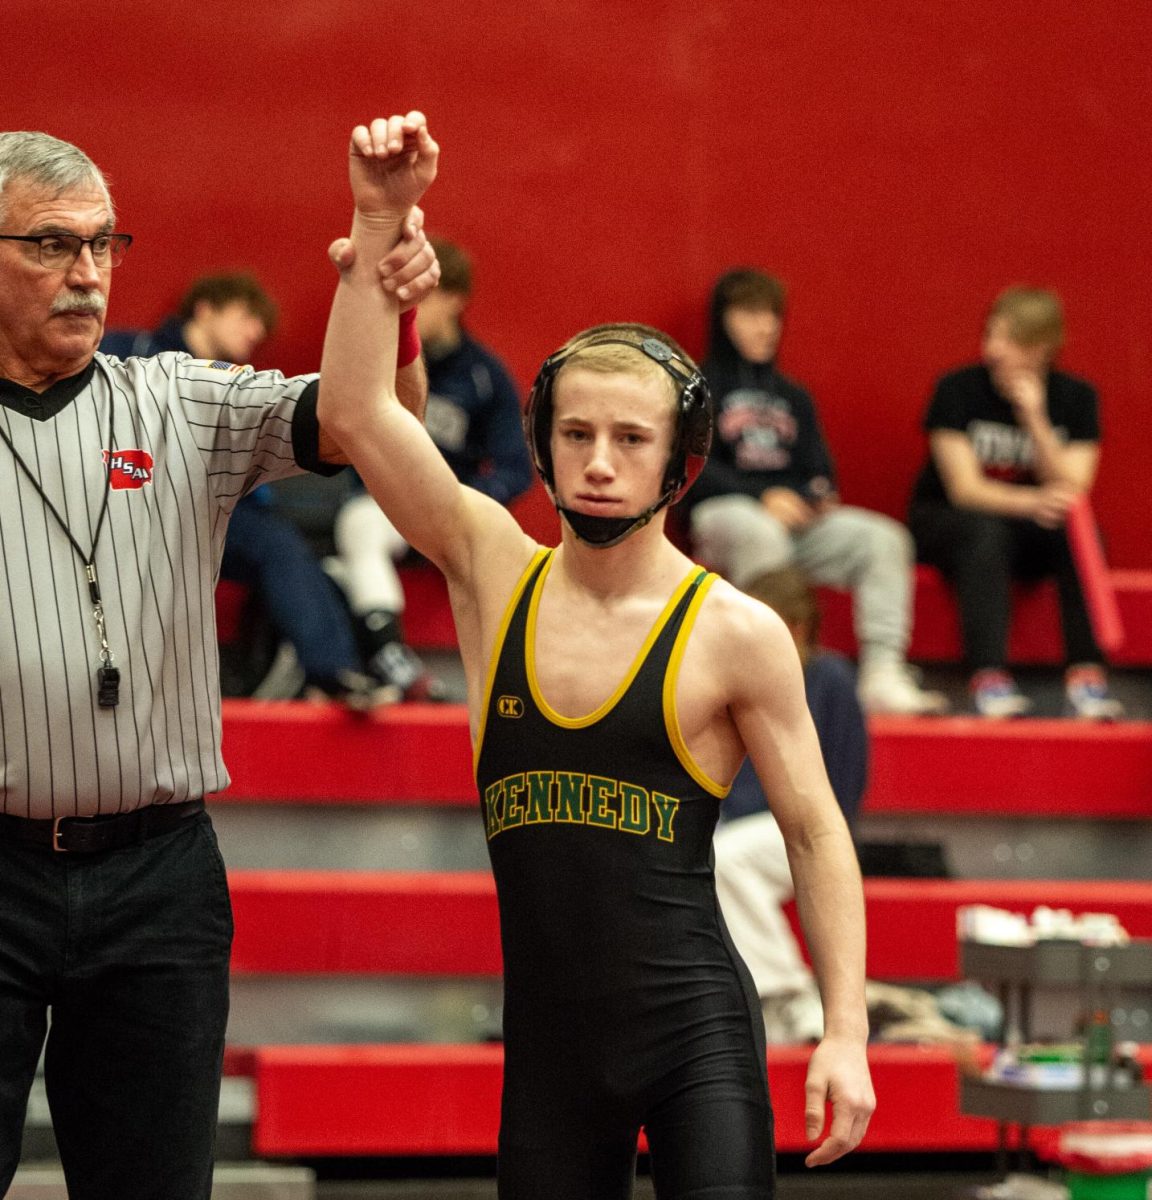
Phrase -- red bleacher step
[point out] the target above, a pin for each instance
(446, 924)
(1035, 635)
(445, 1099)
(1034, 768)
(292, 752)
(285, 752)
(431, 1100)
(365, 922)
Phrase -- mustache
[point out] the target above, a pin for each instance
(79, 302)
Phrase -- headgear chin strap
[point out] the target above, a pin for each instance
(603, 532)
(691, 435)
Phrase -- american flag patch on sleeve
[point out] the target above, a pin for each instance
(216, 364)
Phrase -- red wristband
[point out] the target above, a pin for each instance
(408, 347)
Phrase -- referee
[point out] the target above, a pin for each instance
(118, 478)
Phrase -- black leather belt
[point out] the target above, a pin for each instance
(92, 835)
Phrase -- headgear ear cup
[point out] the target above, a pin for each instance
(538, 417)
(694, 434)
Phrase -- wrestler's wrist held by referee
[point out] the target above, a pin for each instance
(377, 223)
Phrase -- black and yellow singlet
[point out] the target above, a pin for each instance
(626, 1005)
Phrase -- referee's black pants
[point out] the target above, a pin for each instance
(129, 951)
(980, 554)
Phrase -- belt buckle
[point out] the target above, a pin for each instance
(57, 848)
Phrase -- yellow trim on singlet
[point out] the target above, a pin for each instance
(530, 655)
(671, 717)
(498, 647)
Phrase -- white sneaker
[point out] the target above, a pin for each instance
(1086, 694)
(995, 695)
(890, 688)
(793, 1016)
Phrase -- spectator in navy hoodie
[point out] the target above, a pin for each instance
(474, 417)
(220, 317)
(753, 879)
(224, 318)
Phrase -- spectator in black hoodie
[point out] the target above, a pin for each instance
(768, 495)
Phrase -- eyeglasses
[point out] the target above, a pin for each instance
(58, 251)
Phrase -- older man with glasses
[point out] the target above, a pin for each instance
(118, 478)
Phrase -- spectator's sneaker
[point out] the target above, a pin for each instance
(891, 688)
(1086, 695)
(353, 689)
(793, 1016)
(397, 665)
(994, 694)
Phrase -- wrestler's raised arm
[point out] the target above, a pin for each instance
(391, 163)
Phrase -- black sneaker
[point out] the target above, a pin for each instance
(399, 666)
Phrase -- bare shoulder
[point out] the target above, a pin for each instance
(745, 642)
(740, 680)
(739, 621)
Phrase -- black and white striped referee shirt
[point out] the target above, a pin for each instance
(189, 438)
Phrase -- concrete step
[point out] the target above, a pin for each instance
(316, 1008)
(386, 838)
(233, 1132)
(231, 1181)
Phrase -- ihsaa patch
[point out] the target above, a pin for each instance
(127, 468)
(510, 706)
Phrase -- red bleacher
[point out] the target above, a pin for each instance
(935, 633)
(409, 1100)
(281, 752)
(445, 923)
(935, 630)
(444, 1099)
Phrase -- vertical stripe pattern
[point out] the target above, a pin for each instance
(188, 441)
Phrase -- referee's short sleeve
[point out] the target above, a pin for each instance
(244, 422)
(306, 434)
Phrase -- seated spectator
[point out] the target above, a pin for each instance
(473, 416)
(768, 495)
(753, 879)
(268, 553)
(220, 317)
(1012, 443)
(224, 318)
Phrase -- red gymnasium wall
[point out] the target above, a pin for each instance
(896, 162)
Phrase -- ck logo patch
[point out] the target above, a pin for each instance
(510, 706)
(128, 468)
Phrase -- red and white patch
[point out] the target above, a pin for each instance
(128, 468)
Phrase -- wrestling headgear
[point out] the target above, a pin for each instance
(691, 434)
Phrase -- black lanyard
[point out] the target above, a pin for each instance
(107, 675)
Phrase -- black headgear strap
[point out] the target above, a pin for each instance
(691, 436)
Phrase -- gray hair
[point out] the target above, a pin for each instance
(48, 161)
